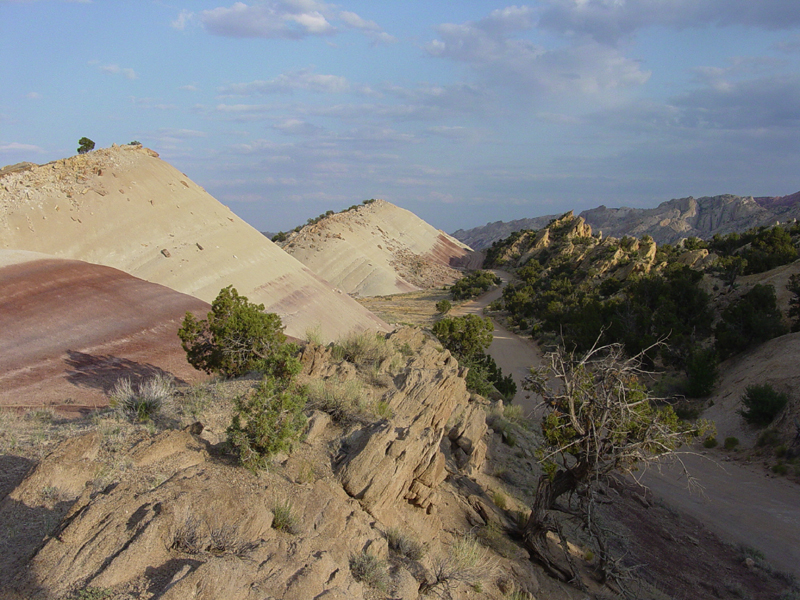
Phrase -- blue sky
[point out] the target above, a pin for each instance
(464, 112)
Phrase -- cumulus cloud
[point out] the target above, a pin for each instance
(182, 20)
(283, 19)
(17, 147)
(305, 79)
(608, 21)
(490, 49)
(114, 69)
(290, 19)
(370, 28)
(297, 127)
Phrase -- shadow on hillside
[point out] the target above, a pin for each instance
(102, 372)
(12, 471)
(23, 531)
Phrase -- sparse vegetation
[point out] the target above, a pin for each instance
(85, 145)
(143, 401)
(267, 421)
(364, 348)
(467, 563)
(761, 404)
(238, 337)
(284, 518)
(369, 569)
(404, 545)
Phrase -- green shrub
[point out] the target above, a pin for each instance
(780, 469)
(143, 401)
(284, 518)
(731, 443)
(85, 145)
(464, 336)
(238, 337)
(369, 569)
(710, 442)
(404, 545)
(753, 319)
(474, 284)
(768, 437)
(267, 421)
(443, 306)
(762, 404)
(702, 373)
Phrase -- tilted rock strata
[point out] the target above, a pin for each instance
(183, 523)
(70, 329)
(123, 207)
(379, 249)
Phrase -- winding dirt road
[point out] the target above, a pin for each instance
(740, 503)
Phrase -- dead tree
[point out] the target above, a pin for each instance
(599, 420)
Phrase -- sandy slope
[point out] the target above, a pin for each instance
(379, 249)
(70, 329)
(125, 208)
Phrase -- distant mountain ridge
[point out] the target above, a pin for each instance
(668, 223)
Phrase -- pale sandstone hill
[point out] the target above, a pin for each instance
(379, 249)
(70, 329)
(123, 207)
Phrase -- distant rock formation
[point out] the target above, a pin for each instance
(668, 223)
(125, 208)
(379, 249)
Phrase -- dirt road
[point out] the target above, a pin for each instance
(740, 503)
(512, 353)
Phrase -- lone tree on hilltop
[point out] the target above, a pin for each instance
(599, 420)
(85, 145)
(238, 337)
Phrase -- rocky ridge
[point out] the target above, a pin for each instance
(174, 519)
(668, 223)
(125, 208)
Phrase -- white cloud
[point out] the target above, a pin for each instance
(608, 21)
(188, 88)
(284, 19)
(183, 19)
(33, 95)
(287, 82)
(512, 62)
(297, 127)
(14, 147)
(290, 19)
(114, 69)
(353, 20)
